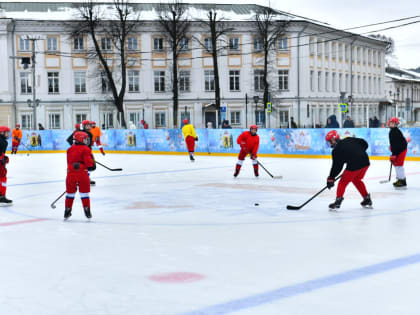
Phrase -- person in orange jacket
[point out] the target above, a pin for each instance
(249, 142)
(16, 138)
(190, 137)
(96, 133)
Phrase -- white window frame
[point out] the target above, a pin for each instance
(78, 120)
(209, 84)
(24, 44)
(54, 120)
(78, 43)
(234, 80)
(26, 82)
(184, 44)
(159, 81)
(160, 116)
(258, 44)
(132, 43)
(283, 78)
(53, 79)
(234, 43)
(26, 121)
(133, 78)
(184, 81)
(80, 82)
(208, 44)
(52, 43)
(235, 117)
(283, 43)
(158, 44)
(258, 80)
(106, 44)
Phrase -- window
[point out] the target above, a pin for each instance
(319, 47)
(24, 44)
(327, 81)
(259, 80)
(105, 85)
(106, 43)
(283, 43)
(234, 80)
(132, 43)
(340, 82)
(359, 90)
(283, 80)
(311, 80)
(359, 55)
(209, 80)
(159, 81)
(379, 59)
(340, 52)
(234, 43)
(80, 82)
(25, 83)
(133, 80)
(184, 44)
(78, 43)
(158, 43)
(108, 119)
(347, 83)
(311, 45)
(52, 43)
(370, 86)
(284, 118)
(380, 86)
(374, 86)
(346, 52)
(53, 86)
(319, 81)
(260, 117)
(235, 117)
(334, 82)
(184, 81)
(54, 121)
(364, 84)
(208, 44)
(334, 50)
(80, 118)
(134, 117)
(160, 119)
(258, 44)
(26, 120)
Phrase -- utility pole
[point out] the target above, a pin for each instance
(34, 101)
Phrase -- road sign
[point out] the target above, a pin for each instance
(223, 109)
(269, 107)
(343, 107)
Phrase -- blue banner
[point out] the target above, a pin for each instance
(272, 141)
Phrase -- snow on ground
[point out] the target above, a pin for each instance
(172, 237)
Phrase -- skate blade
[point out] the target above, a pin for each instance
(332, 210)
(367, 207)
(401, 188)
(6, 204)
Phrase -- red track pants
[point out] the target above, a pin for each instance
(190, 141)
(356, 178)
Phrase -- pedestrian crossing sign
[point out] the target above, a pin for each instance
(343, 107)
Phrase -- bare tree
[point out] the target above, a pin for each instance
(112, 30)
(269, 30)
(217, 29)
(175, 24)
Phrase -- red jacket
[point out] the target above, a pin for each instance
(249, 142)
(79, 158)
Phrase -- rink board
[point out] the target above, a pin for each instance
(308, 143)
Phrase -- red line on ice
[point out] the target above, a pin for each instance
(177, 277)
(20, 222)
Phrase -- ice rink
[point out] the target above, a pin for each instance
(173, 237)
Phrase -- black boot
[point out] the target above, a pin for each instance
(336, 204)
(67, 213)
(192, 157)
(4, 201)
(367, 202)
(92, 183)
(400, 183)
(87, 212)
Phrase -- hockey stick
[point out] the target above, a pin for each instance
(272, 176)
(26, 148)
(310, 199)
(55, 201)
(108, 168)
(389, 178)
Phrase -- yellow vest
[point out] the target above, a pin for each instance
(188, 130)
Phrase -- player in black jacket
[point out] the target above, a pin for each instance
(350, 151)
(4, 135)
(398, 147)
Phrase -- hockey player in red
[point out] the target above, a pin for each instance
(352, 152)
(398, 147)
(249, 142)
(79, 162)
(4, 135)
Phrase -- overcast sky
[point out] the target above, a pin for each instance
(345, 14)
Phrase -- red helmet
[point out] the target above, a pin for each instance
(253, 127)
(394, 120)
(17, 125)
(185, 121)
(86, 122)
(80, 136)
(77, 126)
(333, 134)
(4, 129)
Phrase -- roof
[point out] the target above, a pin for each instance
(402, 74)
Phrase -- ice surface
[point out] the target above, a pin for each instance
(173, 237)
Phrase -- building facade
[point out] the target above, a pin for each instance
(311, 66)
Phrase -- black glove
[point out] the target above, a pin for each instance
(92, 168)
(4, 160)
(196, 139)
(330, 182)
(76, 166)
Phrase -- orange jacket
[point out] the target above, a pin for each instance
(16, 135)
(96, 133)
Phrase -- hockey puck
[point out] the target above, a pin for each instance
(256, 204)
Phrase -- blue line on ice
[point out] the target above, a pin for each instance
(307, 286)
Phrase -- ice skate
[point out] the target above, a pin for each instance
(87, 212)
(400, 184)
(367, 202)
(5, 202)
(336, 204)
(67, 213)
